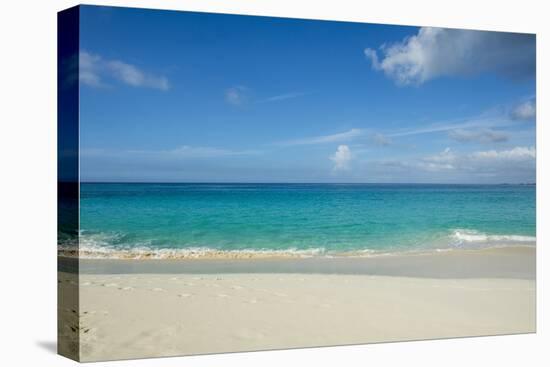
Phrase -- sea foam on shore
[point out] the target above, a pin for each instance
(109, 246)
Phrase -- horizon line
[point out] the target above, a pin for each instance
(301, 183)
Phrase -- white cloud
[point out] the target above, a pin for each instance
(479, 136)
(89, 69)
(182, 152)
(342, 158)
(239, 95)
(447, 126)
(489, 160)
(334, 138)
(437, 52)
(236, 95)
(442, 161)
(380, 139)
(515, 154)
(515, 165)
(133, 76)
(525, 111)
(187, 151)
(93, 69)
(491, 119)
(445, 156)
(282, 97)
(207, 152)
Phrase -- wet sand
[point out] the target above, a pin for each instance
(509, 262)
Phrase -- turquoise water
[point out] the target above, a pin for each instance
(171, 219)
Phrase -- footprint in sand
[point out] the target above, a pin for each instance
(86, 313)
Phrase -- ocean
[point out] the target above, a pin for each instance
(139, 220)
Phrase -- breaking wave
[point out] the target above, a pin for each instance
(118, 246)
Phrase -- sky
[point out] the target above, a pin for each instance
(197, 97)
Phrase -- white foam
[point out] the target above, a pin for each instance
(111, 246)
(470, 236)
(93, 250)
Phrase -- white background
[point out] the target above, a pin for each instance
(28, 182)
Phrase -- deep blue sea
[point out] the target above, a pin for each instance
(172, 220)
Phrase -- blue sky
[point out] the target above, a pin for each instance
(177, 97)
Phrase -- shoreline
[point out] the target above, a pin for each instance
(505, 262)
(198, 253)
(210, 254)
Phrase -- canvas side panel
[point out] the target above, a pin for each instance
(68, 341)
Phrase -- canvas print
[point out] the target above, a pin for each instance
(234, 183)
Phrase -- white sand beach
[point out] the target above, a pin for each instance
(147, 314)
